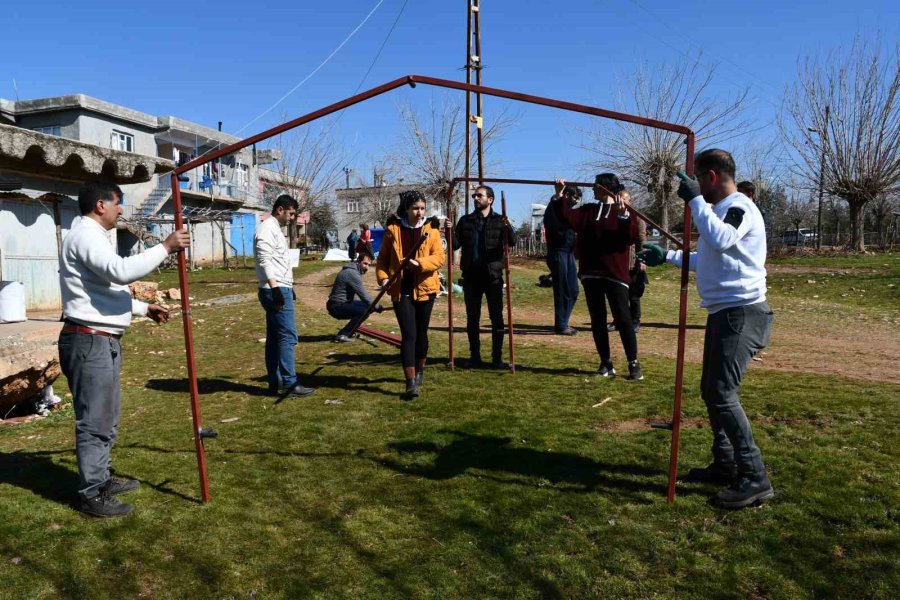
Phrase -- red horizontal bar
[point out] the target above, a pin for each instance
(641, 215)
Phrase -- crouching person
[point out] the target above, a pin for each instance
(348, 285)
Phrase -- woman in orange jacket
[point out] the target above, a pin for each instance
(413, 293)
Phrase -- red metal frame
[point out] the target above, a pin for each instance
(509, 316)
(413, 80)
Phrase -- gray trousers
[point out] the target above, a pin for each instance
(92, 363)
(733, 336)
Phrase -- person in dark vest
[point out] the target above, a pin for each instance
(480, 235)
(561, 260)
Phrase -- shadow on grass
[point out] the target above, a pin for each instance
(325, 337)
(206, 385)
(567, 471)
(37, 471)
(659, 325)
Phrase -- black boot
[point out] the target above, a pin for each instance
(105, 505)
(746, 491)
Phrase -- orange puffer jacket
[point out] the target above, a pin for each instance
(430, 257)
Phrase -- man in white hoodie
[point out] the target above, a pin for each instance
(731, 279)
(97, 309)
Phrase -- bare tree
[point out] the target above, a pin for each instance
(650, 158)
(857, 149)
(799, 210)
(431, 149)
(881, 211)
(310, 170)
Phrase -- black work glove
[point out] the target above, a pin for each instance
(277, 299)
(689, 187)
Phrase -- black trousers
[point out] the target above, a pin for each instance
(478, 283)
(635, 291)
(597, 292)
(413, 318)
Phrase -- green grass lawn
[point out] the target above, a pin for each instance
(490, 485)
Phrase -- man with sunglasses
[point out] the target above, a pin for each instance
(480, 235)
(561, 259)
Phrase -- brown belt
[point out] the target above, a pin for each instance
(71, 327)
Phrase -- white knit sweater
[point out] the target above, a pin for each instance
(94, 279)
(272, 254)
(730, 261)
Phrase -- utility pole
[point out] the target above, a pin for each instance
(473, 63)
(347, 171)
(823, 135)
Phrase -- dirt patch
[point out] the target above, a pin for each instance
(644, 424)
(816, 342)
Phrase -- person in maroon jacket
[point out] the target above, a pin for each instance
(606, 232)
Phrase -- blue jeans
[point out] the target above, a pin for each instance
(281, 337)
(565, 286)
(348, 310)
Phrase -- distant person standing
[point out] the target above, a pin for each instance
(747, 188)
(365, 240)
(480, 235)
(638, 272)
(414, 292)
(561, 260)
(97, 309)
(342, 302)
(731, 279)
(352, 240)
(276, 295)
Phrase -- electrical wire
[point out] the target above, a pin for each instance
(314, 71)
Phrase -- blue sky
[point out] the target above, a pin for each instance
(230, 61)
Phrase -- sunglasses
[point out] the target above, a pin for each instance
(479, 195)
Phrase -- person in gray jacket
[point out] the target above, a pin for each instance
(347, 286)
(731, 279)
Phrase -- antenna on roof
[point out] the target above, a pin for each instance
(16, 88)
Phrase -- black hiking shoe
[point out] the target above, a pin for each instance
(412, 390)
(745, 492)
(634, 371)
(298, 391)
(105, 505)
(612, 327)
(500, 365)
(420, 378)
(606, 369)
(472, 363)
(120, 485)
(718, 473)
(567, 331)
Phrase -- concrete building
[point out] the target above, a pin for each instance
(50, 146)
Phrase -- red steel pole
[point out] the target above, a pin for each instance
(479, 103)
(468, 124)
(509, 316)
(449, 234)
(189, 347)
(682, 331)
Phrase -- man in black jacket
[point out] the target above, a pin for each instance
(480, 235)
(561, 260)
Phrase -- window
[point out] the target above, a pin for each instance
(122, 141)
(353, 206)
(241, 175)
(50, 130)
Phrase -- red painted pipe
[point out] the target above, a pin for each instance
(509, 317)
(449, 234)
(682, 332)
(189, 347)
(381, 336)
(640, 215)
(393, 278)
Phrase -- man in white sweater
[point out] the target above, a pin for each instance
(276, 294)
(97, 309)
(731, 279)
